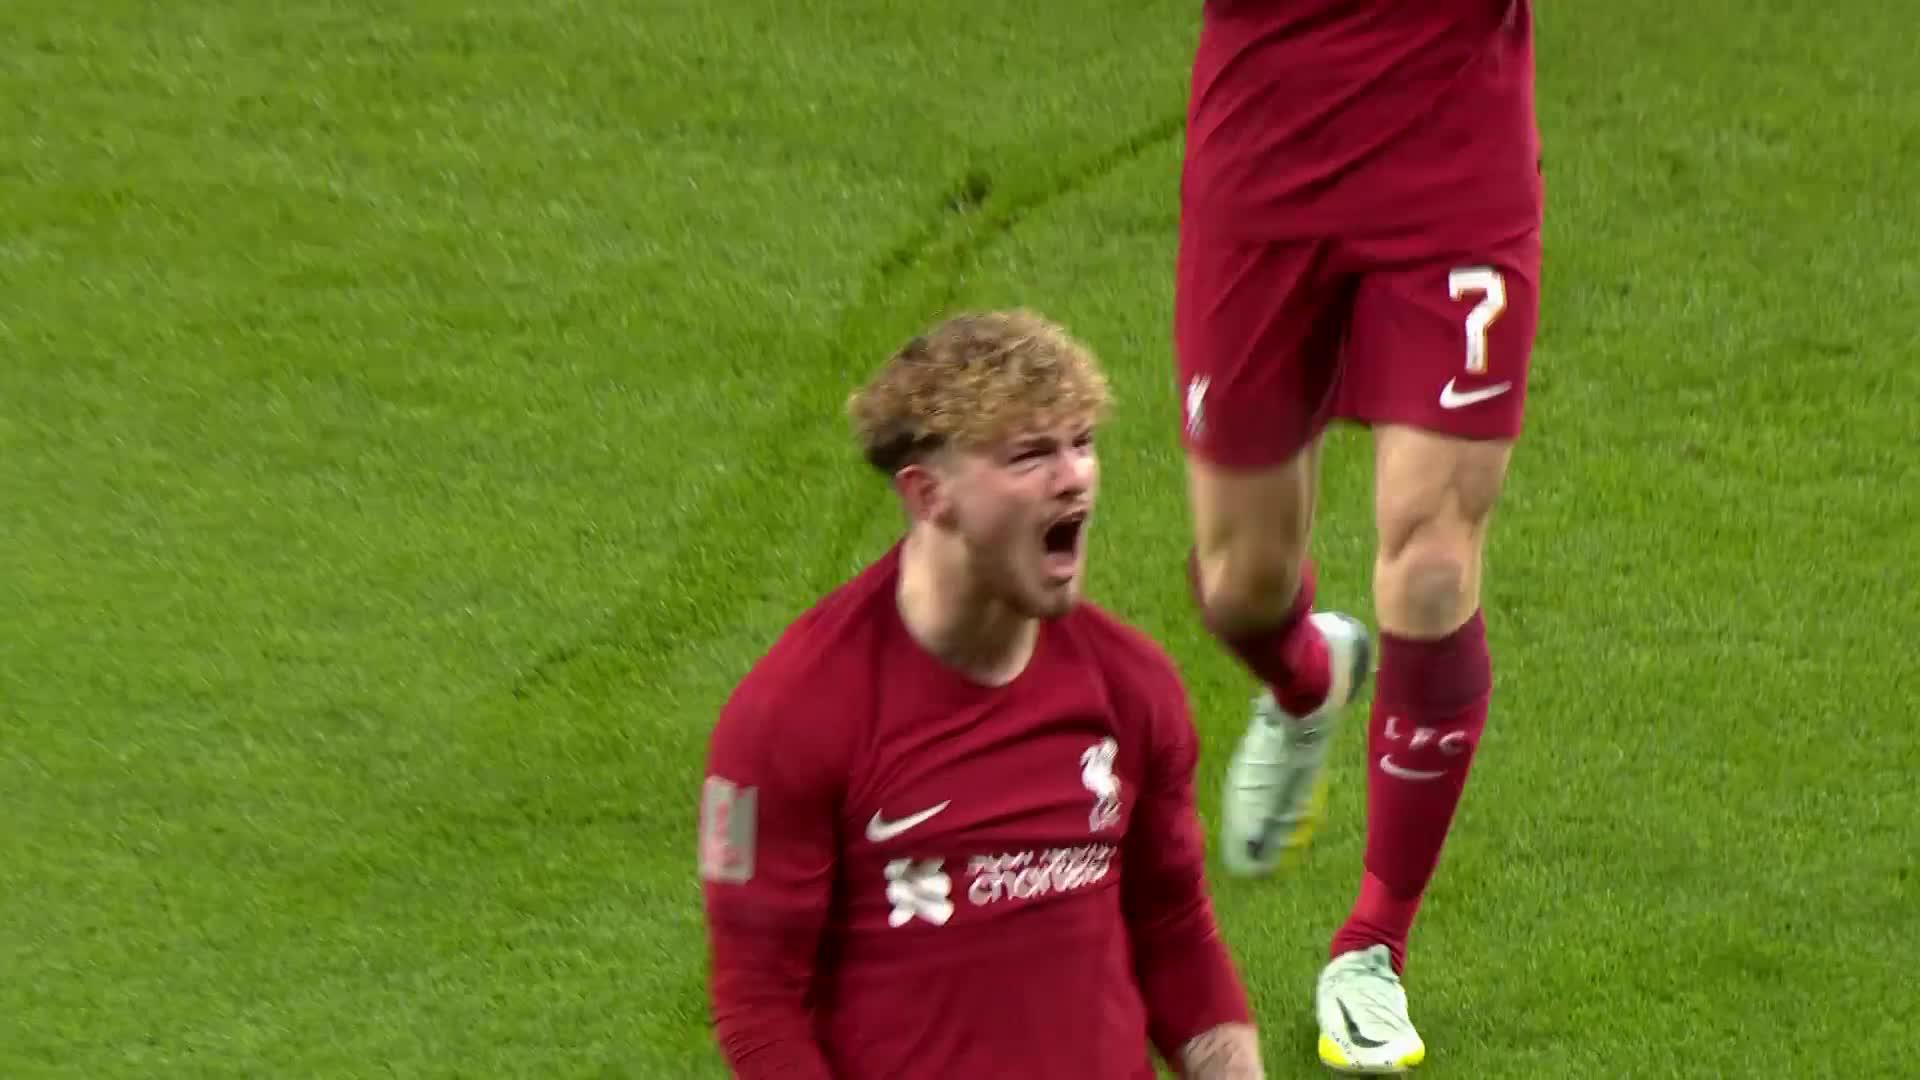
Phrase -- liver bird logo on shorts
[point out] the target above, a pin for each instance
(1096, 772)
(1197, 404)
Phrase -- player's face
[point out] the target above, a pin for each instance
(1023, 509)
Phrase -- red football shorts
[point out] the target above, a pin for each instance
(1278, 338)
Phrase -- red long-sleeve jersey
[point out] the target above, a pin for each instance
(910, 874)
(1376, 117)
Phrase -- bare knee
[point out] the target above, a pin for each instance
(1430, 586)
(1434, 500)
(1250, 540)
(1248, 587)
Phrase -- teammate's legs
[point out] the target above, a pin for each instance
(1434, 499)
(1250, 573)
(1258, 328)
(1255, 331)
(1437, 366)
(1440, 356)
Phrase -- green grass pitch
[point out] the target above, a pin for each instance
(413, 419)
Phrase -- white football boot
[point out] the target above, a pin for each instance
(1363, 1016)
(1276, 785)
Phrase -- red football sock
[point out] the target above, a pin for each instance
(1429, 707)
(1290, 656)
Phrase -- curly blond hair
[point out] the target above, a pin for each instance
(974, 380)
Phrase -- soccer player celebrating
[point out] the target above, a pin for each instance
(948, 826)
(1361, 207)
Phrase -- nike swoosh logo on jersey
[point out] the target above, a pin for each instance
(1387, 766)
(1460, 399)
(880, 829)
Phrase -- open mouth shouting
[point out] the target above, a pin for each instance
(1062, 543)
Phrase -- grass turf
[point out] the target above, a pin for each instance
(412, 424)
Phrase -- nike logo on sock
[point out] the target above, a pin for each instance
(1393, 768)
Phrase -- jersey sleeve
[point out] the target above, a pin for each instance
(768, 811)
(1186, 974)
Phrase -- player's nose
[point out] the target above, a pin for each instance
(1073, 476)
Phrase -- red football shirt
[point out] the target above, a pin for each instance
(910, 874)
(1317, 117)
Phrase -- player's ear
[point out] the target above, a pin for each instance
(925, 490)
(914, 485)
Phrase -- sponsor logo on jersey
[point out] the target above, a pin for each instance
(1029, 875)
